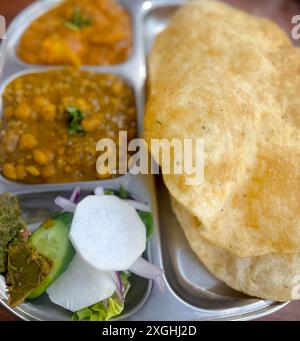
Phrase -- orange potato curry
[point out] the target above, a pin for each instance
(91, 32)
(52, 121)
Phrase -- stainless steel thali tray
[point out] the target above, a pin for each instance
(191, 292)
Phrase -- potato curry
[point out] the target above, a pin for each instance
(91, 32)
(53, 120)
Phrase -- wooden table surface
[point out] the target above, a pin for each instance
(279, 10)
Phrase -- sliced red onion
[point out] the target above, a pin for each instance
(99, 191)
(121, 283)
(138, 205)
(65, 204)
(75, 195)
(115, 276)
(147, 270)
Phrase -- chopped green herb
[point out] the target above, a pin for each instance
(77, 21)
(108, 192)
(122, 193)
(75, 119)
(148, 222)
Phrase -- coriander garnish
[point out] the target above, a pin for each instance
(77, 21)
(75, 118)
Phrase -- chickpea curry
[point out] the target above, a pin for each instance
(90, 32)
(53, 120)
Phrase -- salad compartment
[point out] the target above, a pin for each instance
(37, 206)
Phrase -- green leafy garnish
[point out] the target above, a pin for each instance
(75, 118)
(148, 222)
(122, 193)
(109, 192)
(125, 279)
(104, 310)
(77, 21)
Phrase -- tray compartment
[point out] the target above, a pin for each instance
(39, 205)
(3, 85)
(38, 9)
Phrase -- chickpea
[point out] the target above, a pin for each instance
(33, 171)
(67, 101)
(40, 157)
(18, 84)
(40, 101)
(82, 104)
(117, 87)
(22, 111)
(27, 141)
(21, 172)
(48, 172)
(9, 171)
(91, 123)
(60, 163)
(49, 112)
(68, 169)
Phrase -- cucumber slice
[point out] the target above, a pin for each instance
(51, 239)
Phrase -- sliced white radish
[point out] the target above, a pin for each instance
(108, 233)
(99, 191)
(80, 286)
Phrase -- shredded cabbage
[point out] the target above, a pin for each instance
(104, 310)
